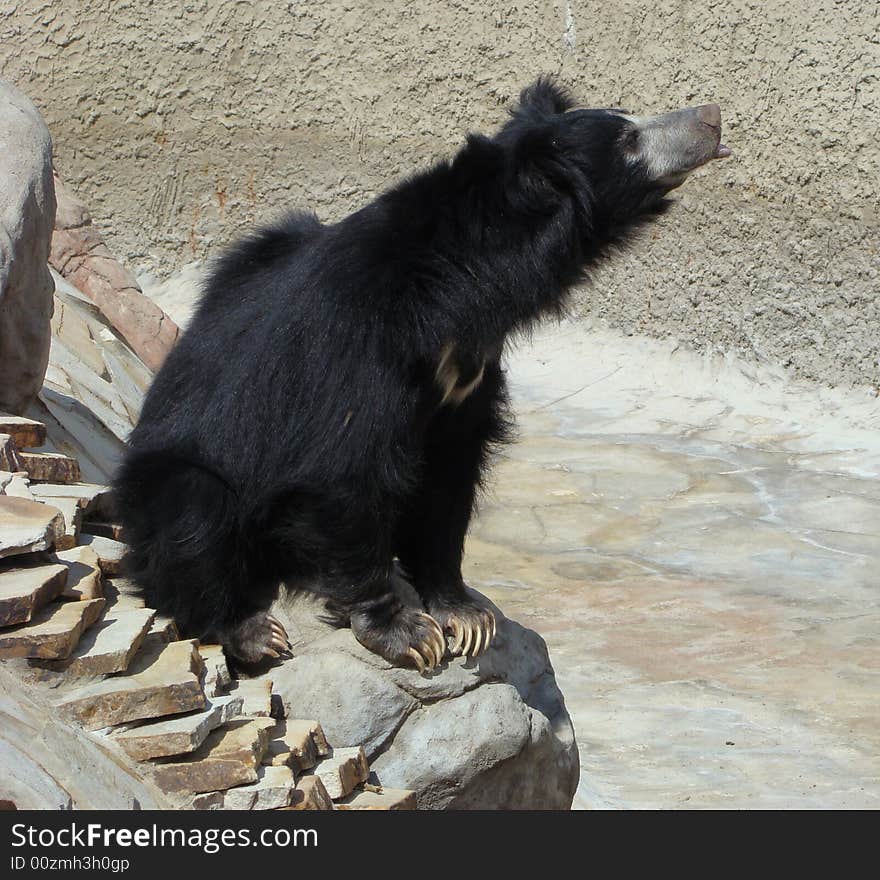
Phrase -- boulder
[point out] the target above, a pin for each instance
(484, 733)
(27, 215)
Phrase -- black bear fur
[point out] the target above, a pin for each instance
(298, 432)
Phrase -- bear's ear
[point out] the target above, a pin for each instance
(543, 97)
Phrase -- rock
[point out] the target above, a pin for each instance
(52, 633)
(130, 392)
(26, 589)
(107, 646)
(376, 798)
(28, 526)
(27, 215)
(361, 705)
(72, 513)
(18, 486)
(102, 397)
(48, 764)
(161, 681)
(84, 579)
(309, 794)
(53, 467)
(487, 733)
(257, 695)
(272, 791)
(25, 433)
(229, 756)
(76, 429)
(178, 735)
(297, 744)
(279, 754)
(71, 330)
(163, 631)
(79, 254)
(94, 500)
(218, 678)
(103, 529)
(123, 592)
(10, 460)
(342, 771)
(108, 552)
(316, 732)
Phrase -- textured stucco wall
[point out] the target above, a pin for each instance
(182, 122)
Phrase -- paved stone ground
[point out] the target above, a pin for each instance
(699, 542)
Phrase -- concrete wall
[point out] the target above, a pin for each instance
(183, 122)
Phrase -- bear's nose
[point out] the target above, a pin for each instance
(710, 114)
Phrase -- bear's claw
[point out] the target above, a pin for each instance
(428, 653)
(278, 639)
(256, 637)
(472, 630)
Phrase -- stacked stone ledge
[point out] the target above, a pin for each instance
(169, 706)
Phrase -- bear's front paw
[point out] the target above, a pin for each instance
(410, 638)
(471, 626)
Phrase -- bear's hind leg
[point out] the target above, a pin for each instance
(186, 553)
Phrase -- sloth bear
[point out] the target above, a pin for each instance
(330, 411)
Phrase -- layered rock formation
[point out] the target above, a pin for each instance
(27, 214)
(80, 255)
(103, 706)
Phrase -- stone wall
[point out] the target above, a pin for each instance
(179, 123)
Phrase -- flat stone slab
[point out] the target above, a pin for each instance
(10, 460)
(342, 771)
(123, 592)
(94, 499)
(108, 646)
(52, 633)
(84, 580)
(108, 551)
(164, 680)
(28, 526)
(103, 529)
(163, 631)
(296, 727)
(218, 678)
(376, 798)
(179, 735)
(272, 791)
(294, 744)
(26, 589)
(24, 432)
(229, 756)
(257, 695)
(73, 517)
(51, 467)
(18, 486)
(309, 794)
